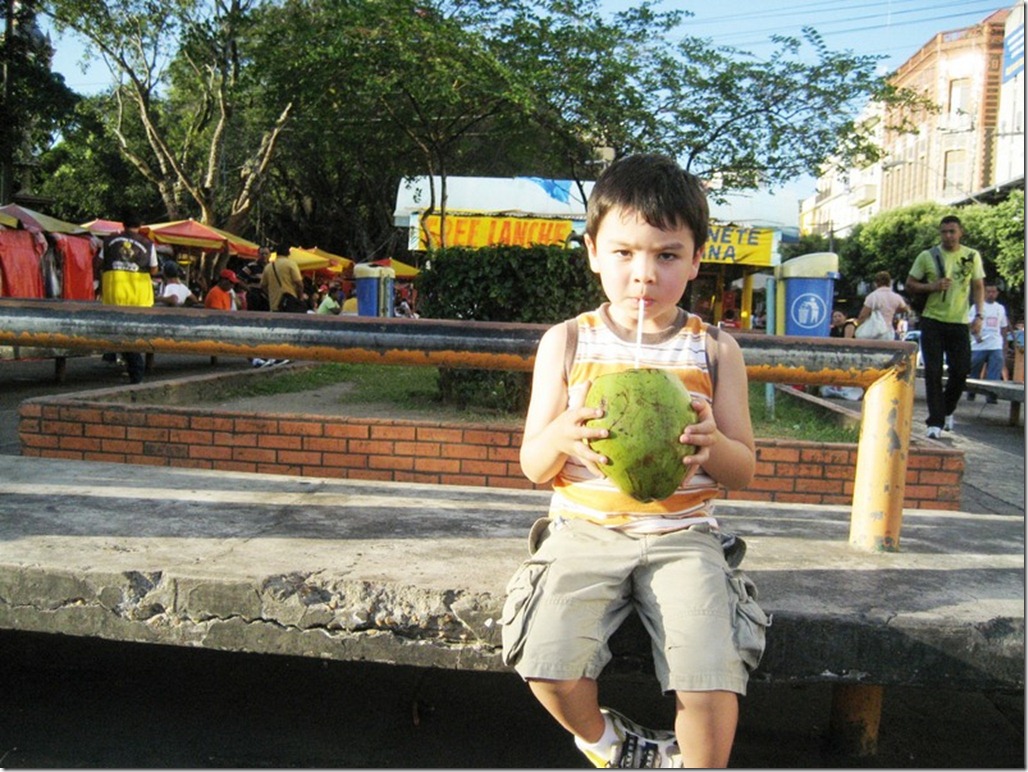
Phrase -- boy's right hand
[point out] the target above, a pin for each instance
(573, 435)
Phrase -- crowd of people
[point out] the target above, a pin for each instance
(130, 273)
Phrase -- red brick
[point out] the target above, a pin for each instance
(391, 462)
(790, 455)
(306, 428)
(168, 420)
(482, 467)
(345, 460)
(448, 466)
(144, 433)
(371, 447)
(491, 438)
(256, 455)
(256, 425)
(282, 441)
(392, 432)
(299, 458)
(429, 449)
(347, 431)
(190, 437)
(210, 452)
(439, 434)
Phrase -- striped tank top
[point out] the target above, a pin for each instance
(604, 347)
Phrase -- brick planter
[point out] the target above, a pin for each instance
(136, 425)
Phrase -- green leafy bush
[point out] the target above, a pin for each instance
(541, 285)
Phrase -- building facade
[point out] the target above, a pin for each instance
(969, 149)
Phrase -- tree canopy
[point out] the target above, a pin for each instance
(296, 120)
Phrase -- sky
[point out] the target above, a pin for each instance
(893, 29)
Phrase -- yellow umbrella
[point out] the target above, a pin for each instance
(342, 263)
(403, 271)
(306, 260)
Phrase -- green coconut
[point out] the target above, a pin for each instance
(644, 411)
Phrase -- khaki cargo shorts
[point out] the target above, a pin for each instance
(583, 580)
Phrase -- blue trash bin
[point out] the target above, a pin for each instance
(374, 290)
(809, 294)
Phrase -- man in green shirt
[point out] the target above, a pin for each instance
(944, 327)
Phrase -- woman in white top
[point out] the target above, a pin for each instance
(883, 299)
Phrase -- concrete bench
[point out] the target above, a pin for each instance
(1010, 391)
(415, 574)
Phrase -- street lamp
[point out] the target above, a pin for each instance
(892, 164)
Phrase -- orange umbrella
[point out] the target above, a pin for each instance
(190, 233)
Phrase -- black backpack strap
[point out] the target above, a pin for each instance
(937, 254)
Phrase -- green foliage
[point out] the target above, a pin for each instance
(997, 232)
(503, 284)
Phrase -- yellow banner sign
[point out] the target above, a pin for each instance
(472, 230)
(740, 246)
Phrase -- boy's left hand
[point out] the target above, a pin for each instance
(703, 434)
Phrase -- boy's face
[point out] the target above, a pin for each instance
(636, 260)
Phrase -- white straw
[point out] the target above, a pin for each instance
(639, 332)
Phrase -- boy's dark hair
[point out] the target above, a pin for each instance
(951, 219)
(657, 188)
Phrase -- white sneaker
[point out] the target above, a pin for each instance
(637, 748)
(934, 433)
(258, 362)
(947, 424)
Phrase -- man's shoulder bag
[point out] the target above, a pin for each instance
(917, 300)
(288, 303)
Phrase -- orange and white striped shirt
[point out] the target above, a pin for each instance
(605, 347)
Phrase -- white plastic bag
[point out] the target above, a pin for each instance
(874, 328)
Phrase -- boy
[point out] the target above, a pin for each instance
(600, 553)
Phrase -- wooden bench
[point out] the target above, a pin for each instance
(1011, 391)
(59, 355)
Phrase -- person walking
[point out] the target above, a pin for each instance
(944, 321)
(126, 269)
(886, 302)
(987, 346)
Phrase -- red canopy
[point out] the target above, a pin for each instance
(103, 228)
(77, 257)
(20, 274)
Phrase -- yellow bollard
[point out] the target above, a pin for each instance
(880, 479)
(856, 716)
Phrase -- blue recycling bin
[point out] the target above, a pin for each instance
(374, 290)
(809, 293)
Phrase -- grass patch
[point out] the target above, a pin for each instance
(796, 420)
(416, 388)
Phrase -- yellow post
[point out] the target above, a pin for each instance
(855, 718)
(880, 478)
(746, 316)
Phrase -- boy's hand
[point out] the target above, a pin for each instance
(703, 434)
(573, 435)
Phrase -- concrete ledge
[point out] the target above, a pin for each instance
(415, 574)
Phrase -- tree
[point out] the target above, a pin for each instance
(86, 176)
(34, 103)
(177, 67)
(727, 116)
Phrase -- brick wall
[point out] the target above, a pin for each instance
(87, 428)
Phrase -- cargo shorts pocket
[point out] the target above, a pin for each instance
(750, 623)
(522, 595)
